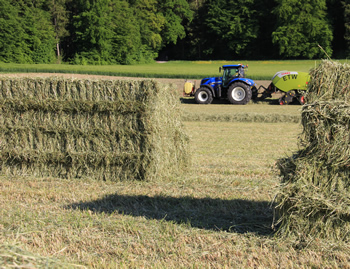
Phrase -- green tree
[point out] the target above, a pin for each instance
(151, 21)
(12, 45)
(335, 12)
(347, 24)
(262, 47)
(231, 25)
(91, 25)
(301, 27)
(176, 13)
(40, 34)
(59, 16)
(26, 33)
(162, 22)
(127, 47)
(112, 31)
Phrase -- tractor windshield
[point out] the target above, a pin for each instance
(229, 74)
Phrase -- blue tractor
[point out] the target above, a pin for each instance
(233, 85)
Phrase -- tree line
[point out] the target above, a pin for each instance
(140, 31)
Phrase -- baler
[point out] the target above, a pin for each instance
(291, 84)
(238, 89)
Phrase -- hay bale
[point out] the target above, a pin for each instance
(103, 129)
(314, 197)
(329, 81)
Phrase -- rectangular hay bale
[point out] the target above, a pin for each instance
(103, 129)
(330, 80)
(313, 200)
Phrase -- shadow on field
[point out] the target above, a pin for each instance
(240, 216)
(188, 100)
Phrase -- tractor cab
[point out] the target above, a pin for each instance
(231, 72)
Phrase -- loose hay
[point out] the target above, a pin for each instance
(314, 198)
(15, 257)
(103, 129)
(242, 117)
(329, 81)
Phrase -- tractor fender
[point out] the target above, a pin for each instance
(247, 81)
(210, 88)
(250, 83)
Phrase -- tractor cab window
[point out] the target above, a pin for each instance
(229, 73)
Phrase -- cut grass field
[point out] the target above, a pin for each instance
(216, 216)
(258, 70)
(269, 111)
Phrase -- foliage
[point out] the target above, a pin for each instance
(127, 47)
(301, 27)
(336, 17)
(231, 25)
(123, 32)
(139, 31)
(12, 47)
(263, 47)
(59, 16)
(161, 22)
(27, 34)
(92, 31)
(347, 24)
(40, 35)
(174, 12)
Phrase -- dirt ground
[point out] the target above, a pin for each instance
(179, 83)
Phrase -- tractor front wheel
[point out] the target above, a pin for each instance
(203, 96)
(239, 93)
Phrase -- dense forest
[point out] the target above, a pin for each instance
(140, 31)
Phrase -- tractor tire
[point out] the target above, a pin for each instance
(239, 93)
(203, 96)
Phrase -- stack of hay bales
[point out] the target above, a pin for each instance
(314, 197)
(102, 129)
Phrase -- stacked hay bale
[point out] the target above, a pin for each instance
(102, 129)
(314, 197)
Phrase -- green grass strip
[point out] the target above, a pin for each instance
(258, 70)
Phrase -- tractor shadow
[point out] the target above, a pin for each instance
(189, 100)
(272, 101)
(238, 216)
(267, 101)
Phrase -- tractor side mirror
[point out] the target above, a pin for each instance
(220, 69)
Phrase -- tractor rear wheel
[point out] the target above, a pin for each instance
(203, 96)
(239, 93)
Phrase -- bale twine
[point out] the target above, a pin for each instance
(314, 197)
(102, 129)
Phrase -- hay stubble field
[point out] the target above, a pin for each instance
(217, 215)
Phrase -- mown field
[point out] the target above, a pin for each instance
(259, 70)
(218, 215)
